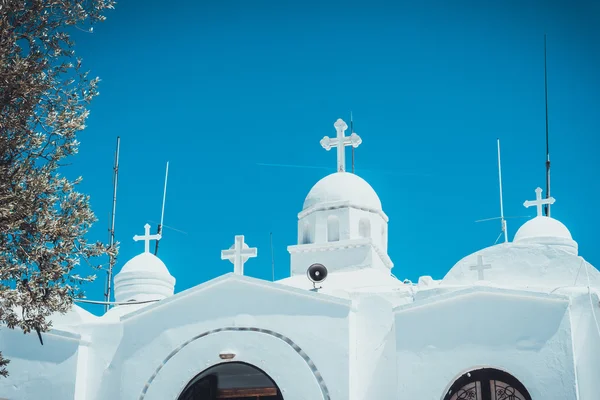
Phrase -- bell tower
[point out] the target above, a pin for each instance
(342, 224)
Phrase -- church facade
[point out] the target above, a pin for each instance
(518, 320)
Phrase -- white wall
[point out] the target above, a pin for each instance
(350, 254)
(36, 371)
(523, 334)
(373, 367)
(586, 335)
(277, 359)
(367, 351)
(314, 322)
(106, 339)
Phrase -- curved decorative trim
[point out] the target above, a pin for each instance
(297, 349)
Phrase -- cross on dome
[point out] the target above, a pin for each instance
(147, 238)
(238, 254)
(341, 141)
(539, 202)
(480, 267)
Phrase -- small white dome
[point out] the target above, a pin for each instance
(144, 277)
(343, 187)
(542, 227)
(545, 230)
(145, 262)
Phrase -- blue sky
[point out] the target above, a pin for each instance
(219, 89)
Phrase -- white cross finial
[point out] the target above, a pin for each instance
(480, 267)
(539, 202)
(147, 238)
(238, 254)
(341, 141)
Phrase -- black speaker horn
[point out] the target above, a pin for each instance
(316, 273)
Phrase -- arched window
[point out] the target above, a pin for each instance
(333, 228)
(487, 384)
(232, 380)
(306, 234)
(384, 236)
(364, 228)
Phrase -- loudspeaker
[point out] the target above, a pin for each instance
(316, 273)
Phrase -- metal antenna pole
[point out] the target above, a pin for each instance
(272, 259)
(547, 144)
(502, 220)
(162, 213)
(351, 132)
(112, 260)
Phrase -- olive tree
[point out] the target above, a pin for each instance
(44, 95)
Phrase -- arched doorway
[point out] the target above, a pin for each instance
(233, 381)
(487, 384)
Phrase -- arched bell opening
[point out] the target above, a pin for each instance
(487, 384)
(306, 233)
(333, 228)
(233, 381)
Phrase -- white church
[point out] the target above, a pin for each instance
(515, 321)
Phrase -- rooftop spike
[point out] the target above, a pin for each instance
(162, 213)
(547, 206)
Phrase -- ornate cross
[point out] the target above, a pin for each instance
(539, 202)
(341, 141)
(238, 254)
(480, 267)
(147, 238)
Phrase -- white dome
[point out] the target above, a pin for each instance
(520, 265)
(144, 277)
(343, 187)
(545, 230)
(145, 262)
(542, 227)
